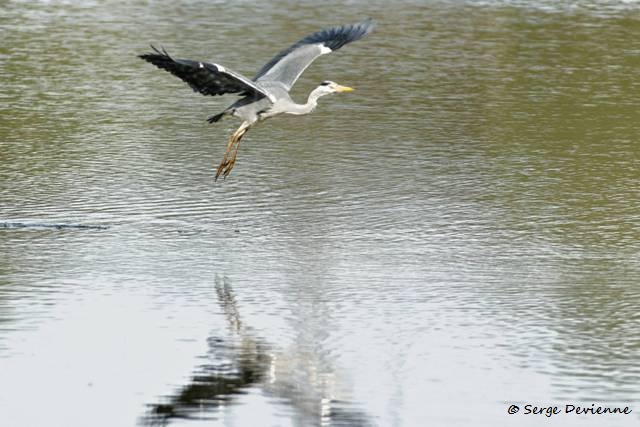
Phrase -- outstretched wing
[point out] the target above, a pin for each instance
(287, 66)
(204, 77)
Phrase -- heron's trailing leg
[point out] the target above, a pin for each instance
(230, 154)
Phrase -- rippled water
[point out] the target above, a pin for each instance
(458, 235)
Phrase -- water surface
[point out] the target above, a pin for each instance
(458, 235)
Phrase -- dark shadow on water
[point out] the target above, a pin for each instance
(243, 362)
(57, 226)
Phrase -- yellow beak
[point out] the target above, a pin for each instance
(344, 89)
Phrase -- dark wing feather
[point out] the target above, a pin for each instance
(287, 66)
(204, 77)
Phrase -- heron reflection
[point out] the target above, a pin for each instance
(245, 361)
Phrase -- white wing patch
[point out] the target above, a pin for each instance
(220, 68)
(324, 49)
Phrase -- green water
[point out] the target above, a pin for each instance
(460, 234)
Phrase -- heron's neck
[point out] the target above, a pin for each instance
(312, 102)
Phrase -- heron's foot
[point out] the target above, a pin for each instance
(225, 167)
(228, 161)
(231, 152)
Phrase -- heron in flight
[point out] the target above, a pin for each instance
(267, 94)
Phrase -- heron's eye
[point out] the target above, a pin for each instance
(325, 83)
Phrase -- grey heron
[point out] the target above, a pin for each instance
(267, 94)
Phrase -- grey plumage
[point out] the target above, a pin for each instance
(296, 62)
(267, 94)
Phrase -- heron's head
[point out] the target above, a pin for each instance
(327, 87)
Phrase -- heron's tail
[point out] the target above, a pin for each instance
(217, 117)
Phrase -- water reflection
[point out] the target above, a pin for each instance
(245, 363)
